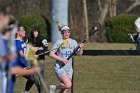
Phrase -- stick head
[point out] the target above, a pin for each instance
(30, 54)
(96, 27)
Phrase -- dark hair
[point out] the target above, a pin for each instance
(34, 29)
(20, 25)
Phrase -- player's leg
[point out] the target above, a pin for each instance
(64, 77)
(29, 83)
(65, 83)
(66, 80)
(63, 86)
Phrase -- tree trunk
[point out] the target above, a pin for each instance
(85, 17)
(103, 13)
(99, 4)
(100, 36)
(112, 7)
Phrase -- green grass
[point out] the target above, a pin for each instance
(99, 74)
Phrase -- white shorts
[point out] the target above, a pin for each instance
(63, 71)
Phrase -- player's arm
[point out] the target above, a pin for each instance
(44, 45)
(21, 54)
(38, 48)
(19, 49)
(1, 59)
(80, 50)
(53, 55)
(21, 71)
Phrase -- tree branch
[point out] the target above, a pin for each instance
(99, 4)
(103, 13)
(131, 7)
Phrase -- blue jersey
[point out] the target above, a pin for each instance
(20, 61)
(4, 67)
(7, 66)
(2, 47)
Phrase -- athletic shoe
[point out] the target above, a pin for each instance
(52, 88)
(24, 92)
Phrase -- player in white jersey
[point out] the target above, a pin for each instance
(62, 49)
(137, 25)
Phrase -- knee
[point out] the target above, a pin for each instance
(68, 86)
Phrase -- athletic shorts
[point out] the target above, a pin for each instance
(63, 71)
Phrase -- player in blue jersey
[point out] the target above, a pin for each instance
(7, 70)
(4, 21)
(61, 51)
(5, 50)
(21, 63)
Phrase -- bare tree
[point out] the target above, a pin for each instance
(85, 14)
(103, 11)
(132, 6)
(105, 7)
(112, 7)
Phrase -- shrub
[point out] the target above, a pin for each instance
(118, 27)
(31, 21)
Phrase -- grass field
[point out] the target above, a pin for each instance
(99, 74)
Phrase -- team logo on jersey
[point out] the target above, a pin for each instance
(23, 45)
(66, 44)
(45, 43)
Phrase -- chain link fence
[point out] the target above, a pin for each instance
(97, 74)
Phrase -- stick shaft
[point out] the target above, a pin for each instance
(43, 83)
(79, 47)
(95, 30)
(46, 52)
(73, 52)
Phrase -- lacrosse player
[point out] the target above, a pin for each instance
(62, 50)
(22, 62)
(137, 24)
(40, 45)
(4, 66)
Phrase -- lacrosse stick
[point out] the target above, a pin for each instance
(134, 39)
(94, 29)
(46, 52)
(31, 56)
(131, 36)
(12, 27)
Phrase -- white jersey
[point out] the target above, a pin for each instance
(3, 71)
(3, 75)
(137, 24)
(64, 48)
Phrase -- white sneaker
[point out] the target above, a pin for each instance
(24, 92)
(52, 88)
